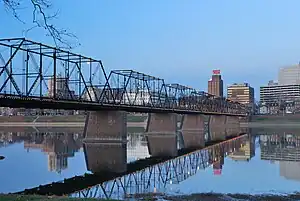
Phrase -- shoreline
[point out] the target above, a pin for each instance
(138, 124)
(270, 125)
(60, 124)
(156, 197)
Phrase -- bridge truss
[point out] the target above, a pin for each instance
(34, 75)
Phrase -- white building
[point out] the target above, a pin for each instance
(61, 88)
(92, 94)
(263, 109)
(137, 98)
(279, 93)
(289, 75)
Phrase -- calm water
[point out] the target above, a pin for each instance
(32, 159)
(264, 161)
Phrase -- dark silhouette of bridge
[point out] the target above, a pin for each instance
(154, 179)
(34, 75)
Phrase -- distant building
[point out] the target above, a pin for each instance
(279, 93)
(215, 84)
(283, 96)
(241, 93)
(272, 83)
(263, 109)
(289, 75)
(139, 97)
(103, 95)
(59, 85)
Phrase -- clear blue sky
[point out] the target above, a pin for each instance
(181, 41)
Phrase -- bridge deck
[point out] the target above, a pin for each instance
(16, 102)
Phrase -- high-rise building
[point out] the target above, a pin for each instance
(242, 93)
(279, 93)
(215, 84)
(283, 96)
(289, 75)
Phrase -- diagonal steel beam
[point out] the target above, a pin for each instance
(4, 68)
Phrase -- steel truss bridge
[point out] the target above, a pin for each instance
(156, 178)
(29, 71)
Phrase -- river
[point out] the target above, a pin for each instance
(258, 162)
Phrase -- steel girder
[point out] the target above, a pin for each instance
(31, 70)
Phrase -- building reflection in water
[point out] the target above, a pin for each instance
(58, 147)
(61, 146)
(156, 178)
(245, 152)
(137, 147)
(284, 148)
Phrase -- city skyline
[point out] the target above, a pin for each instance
(208, 35)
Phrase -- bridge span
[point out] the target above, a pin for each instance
(34, 75)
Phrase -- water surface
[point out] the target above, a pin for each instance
(263, 161)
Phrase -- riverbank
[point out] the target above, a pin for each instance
(232, 197)
(61, 118)
(74, 121)
(59, 124)
(270, 125)
(193, 197)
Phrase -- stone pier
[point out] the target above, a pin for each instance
(161, 134)
(105, 125)
(111, 157)
(232, 126)
(192, 130)
(217, 127)
(105, 138)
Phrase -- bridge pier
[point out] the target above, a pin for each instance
(217, 127)
(193, 131)
(161, 134)
(232, 126)
(107, 157)
(106, 125)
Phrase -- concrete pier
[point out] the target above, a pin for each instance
(161, 134)
(192, 130)
(217, 127)
(105, 125)
(232, 126)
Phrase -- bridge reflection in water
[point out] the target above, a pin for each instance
(156, 178)
(113, 155)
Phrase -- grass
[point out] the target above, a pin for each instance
(42, 198)
(240, 197)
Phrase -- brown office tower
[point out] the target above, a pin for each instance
(215, 84)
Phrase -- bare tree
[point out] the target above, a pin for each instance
(42, 17)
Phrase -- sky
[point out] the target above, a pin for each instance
(180, 41)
